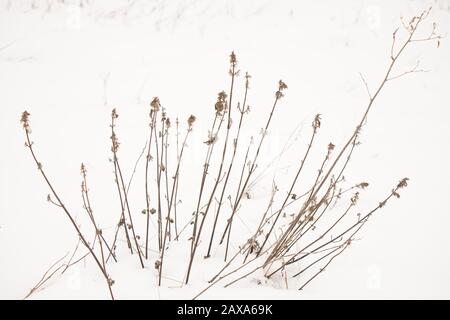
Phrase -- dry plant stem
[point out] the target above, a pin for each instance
(360, 221)
(29, 145)
(122, 220)
(122, 183)
(238, 190)
(173, 193)
(176, 184)
(233, 73)
(289, 194)
(242, 277)
(358, 224)
(298, 233)
(168, 219)
(230, 167)
(278, 96)
(98, 232)
(342, 249)
(158, 183)
(50, 274)
(252, 240)
(394, 57)
(211, 144)
(153, 115)
(217, 279)
(323, 268)
(46, 276)
(135, 167)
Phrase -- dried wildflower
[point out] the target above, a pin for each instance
(110, 281)
(355, 198)
(362, 185)
(281, 86)
(331, 147)
(144, 211)
(157, 264)
(155, 104)
(316, 122)
(167, 123)
(221, 103)
(114, 114)
(115, 143)
(211, 139)
(152, 211)
(233, 59)
(402, 183)
(24, 120)
(254, 245)
(233, 63)
(83, 169)
(191, 120)
(247, 80)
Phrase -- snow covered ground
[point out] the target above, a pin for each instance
(69, 65)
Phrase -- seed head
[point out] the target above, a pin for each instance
(155, 104)
(316, 123)
(114, 114)
(221, 103)
(281, 86)
(24, 120)
(191, 120)
(362, 185)
(402, 183)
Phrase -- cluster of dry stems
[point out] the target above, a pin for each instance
(294, 237)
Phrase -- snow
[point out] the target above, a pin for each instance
(70, 65)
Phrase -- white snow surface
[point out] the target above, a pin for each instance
(69, 65)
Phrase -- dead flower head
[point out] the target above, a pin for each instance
(402, 183)
(83, 169)
(221, 103)
(114, 114)
(362, 185)
(331, 147)
(155, 104)
(233, 59)
(191, 120)
(281, 86)
(355, 198)
(24, 120)
(316, 122)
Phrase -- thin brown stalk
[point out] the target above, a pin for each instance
(114, 148)
(173, 193)
(242, 111)
(278, 95)
(153, 114)
(29, 145)
(219, 104)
